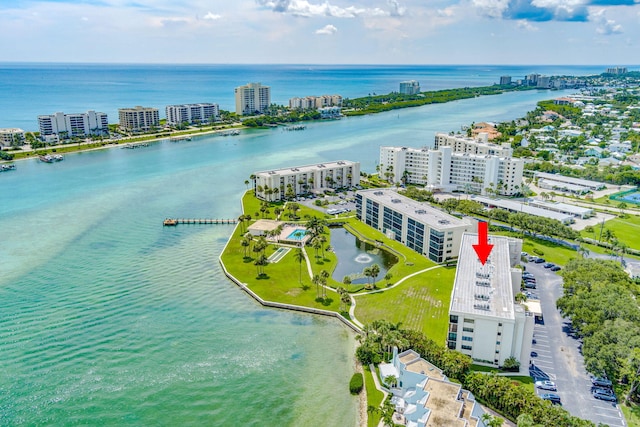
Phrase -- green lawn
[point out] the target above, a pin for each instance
(631, 414)
(420, 303)
(374, 397)
(626, 230)
(550, 251)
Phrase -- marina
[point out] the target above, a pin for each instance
(132, 145)
(169, 222)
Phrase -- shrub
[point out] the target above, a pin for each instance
(356, 383)
(538, 252)
(511, 364)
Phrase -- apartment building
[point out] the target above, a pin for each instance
(192, 113)
(505, 80)
(10, 137)
(291, 182)
(252, 98)
(485, 322)
(58, 126)
(480, 145)
(138, 119)
(315, 102)
(445, 170)
(419, 226)
(410, 87)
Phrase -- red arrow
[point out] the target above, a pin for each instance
(483, 248)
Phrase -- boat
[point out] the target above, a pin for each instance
(170, 222)
(58, 157)
(46, 158)
(132, 145)
(9, 167)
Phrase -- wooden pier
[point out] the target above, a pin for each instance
(172, 222)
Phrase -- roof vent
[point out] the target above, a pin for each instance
(378, 193)
(483, 283)
(395, 200)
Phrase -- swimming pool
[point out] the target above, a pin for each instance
(297, 234)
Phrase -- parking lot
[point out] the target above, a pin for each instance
(556, 356)
(339, 203)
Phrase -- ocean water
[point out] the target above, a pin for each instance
(108, 318)
(29, 90)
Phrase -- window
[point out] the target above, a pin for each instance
(468, 320)
(453, 319)
(497, 342)
(466, 347)
(467, 329)
(467, 338)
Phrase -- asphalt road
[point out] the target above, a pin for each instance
(558, 356)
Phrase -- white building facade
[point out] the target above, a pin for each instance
(410, 87)
(485, 322)
(138, 119)
(192, 113)
(294, 181)
(10, 137)
(252, 98)
(63, 126)
(315, 102)
(445, 170)
(419, 226)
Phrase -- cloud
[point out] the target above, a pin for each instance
(526, 25)
(396, 9)
(212, 16)
(544, 10)
(306, 9)
(327, 30)
(606, 27)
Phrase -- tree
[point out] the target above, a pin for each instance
(388, 277)
(324, 275)
(347, 281)
(316, 281)
(375, 270)
(390, 381)
(246, 182)
(299, 256)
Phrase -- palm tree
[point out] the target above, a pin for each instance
(324, 275)
(246, 182)
(299, 256)
(347, 281)
(245, 242)
(316, 280)
(367, 273)
(345, 300)
(388, 277)
(375, 270)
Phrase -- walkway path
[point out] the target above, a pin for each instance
(352, 309)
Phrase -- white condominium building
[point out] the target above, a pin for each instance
(485, 322)
(464, 144)
(419, 226)
(445, 170)
(11, 137)
(286, 183)
(192, 113)
(138, 119)
(252, 98)
(410, 87)
(62, 126)
(315, 102)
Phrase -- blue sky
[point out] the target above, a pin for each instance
(322, 31)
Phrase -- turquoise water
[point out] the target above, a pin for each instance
(297, 234)
(107, 317)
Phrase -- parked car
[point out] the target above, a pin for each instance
(539, 261)
(531, 258)
(528, 274)
(603, 390)
(546, 385)
(548, 265)
(552, 397)
(605, 395)
(530, 285)
(555, 268)
(601, 381)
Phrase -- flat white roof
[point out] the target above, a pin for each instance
(570, 180)
(483, 290)
(562, 207)
(524, 208)
(308, 168)
(421, 212)
(562, 185)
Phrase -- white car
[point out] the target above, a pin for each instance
(546, 385)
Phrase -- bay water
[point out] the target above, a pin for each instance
(109, 318)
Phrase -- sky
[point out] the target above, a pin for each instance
(321, 31)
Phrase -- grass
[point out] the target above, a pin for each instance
(552, 252)
(631, 414)
(420, 303)
(374, 397)
(626, 230)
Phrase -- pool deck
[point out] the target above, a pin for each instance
(287, 230)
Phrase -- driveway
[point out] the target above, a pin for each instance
(558, 356)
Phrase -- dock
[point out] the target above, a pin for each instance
(172, 222)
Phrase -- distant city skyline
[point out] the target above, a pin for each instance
(322, 31)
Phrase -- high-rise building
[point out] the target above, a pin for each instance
(291, 182)
(252, 98)
(485, 321)
(532, 79)
(138, 119)
(315, 102)
(10, 137)
(192, 113)
(419, 226)
(544, 82)
(410, 87)
(505, 80)
(63, 126)
(617, 70)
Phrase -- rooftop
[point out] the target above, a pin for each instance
(564, 207)
(483, 290)
(444, 404)
(422, 212)
(570, 180)
(307, 168)
(524, 208)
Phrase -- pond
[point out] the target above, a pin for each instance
(354, 255)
